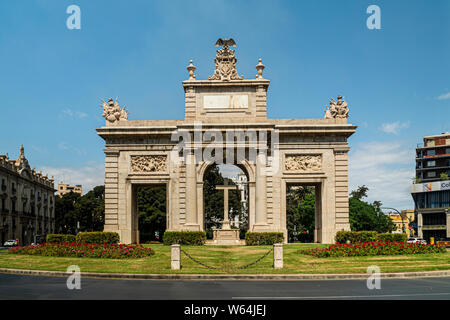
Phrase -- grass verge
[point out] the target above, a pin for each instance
(229, 258)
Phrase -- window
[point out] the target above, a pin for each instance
(431, 174)
(438, 199)
(431, 152)
(431, 163)
(434, 219)
(447, 150)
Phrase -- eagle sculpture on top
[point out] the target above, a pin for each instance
(225, 62)
(225, 43)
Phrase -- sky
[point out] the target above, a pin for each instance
(395, 79)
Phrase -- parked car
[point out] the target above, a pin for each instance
(10, 243)
(416, 240)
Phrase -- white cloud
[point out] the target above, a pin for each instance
(72, 114)
(229, 170)
(386, 169)
(88, 176)
(444, 96)
(394, 127)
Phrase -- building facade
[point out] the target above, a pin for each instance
(226, 122)
(27, 201)
(431, 190)
(65, 188)
(403, 222)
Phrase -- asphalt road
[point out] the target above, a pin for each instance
(33, 288)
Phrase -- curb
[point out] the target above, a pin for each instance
(230, 277)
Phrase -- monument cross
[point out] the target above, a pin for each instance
(225, 188)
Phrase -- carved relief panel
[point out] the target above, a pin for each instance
(149, 163)
(303, 163)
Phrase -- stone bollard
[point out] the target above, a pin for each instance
(175, 257)
(278, 256)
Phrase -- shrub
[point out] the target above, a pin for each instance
(85, 250)
(373, 248)
(193, 238)
(55, 238)
(393, 237)
(263, 238)
(355, 236)
(98, 237)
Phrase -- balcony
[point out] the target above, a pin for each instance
(433, 168)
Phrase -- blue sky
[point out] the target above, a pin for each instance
(396, 80)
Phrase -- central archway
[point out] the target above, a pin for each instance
(248, 169)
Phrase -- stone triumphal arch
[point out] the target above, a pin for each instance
(226, 121)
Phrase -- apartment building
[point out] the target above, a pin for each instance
(431, 189)
(27, 204)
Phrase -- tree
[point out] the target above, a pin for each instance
(152, 212)
(87, 210)
(65, 214)
(360, 193)
(90, 210)
(366, 216)
(300, 213)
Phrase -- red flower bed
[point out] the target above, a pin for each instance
(372, 248)
(85, 250)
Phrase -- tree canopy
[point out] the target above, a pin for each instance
(152, 212)
(300, 212)
(366, 216)
(87, 210)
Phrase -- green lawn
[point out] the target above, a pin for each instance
(229, 258)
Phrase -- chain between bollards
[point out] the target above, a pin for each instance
(176, 258)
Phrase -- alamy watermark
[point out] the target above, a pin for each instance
(74, 280)
(74, 20)
(374, 280)
(374, 20)
(227, 146)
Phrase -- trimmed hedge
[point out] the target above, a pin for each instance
(98, 237)
(355, 236)
(193, 238)
(393, 237)
(368, 236)
(58, 238)
(263, 238)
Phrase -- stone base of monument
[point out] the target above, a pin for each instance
(226, 236)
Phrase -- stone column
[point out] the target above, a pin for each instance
(261, 205)
(419, 225)
(278, 256)
(191, 192)
(175, 257)
(111, 192)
